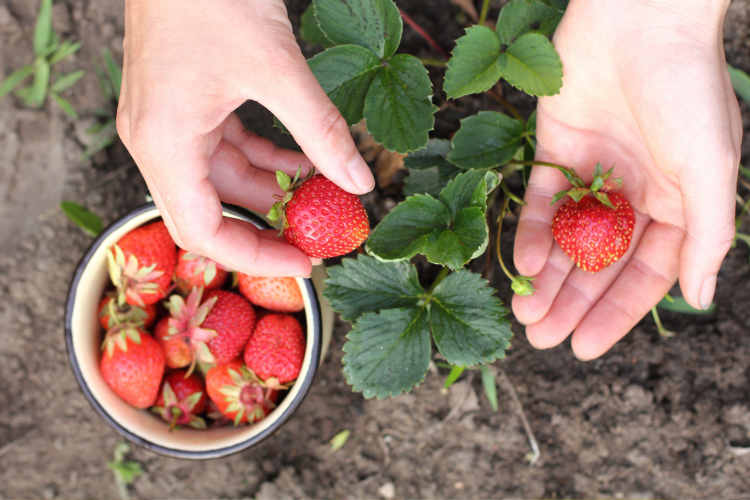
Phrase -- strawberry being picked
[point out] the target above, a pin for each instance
(275, 294)
(238, 393)
(320, 218)
(595, 226)
(132, 364)
(181, 333)
(194, 270)
(181, 399)
(141, 264)
(276, 349)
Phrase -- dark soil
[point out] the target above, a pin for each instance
(653, 418)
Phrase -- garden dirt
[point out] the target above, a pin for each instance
(654, 417)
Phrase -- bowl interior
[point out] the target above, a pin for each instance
(86, 336)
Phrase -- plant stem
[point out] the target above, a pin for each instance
(522, 415)
(512, 109)
(483, 15)
(497, 239)
(662, 331)
(543, 164)
(408, 20)
(510, 195)
(443, 273)
(426, 61)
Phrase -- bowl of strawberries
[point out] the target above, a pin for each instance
(183, 356)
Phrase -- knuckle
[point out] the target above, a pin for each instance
(332, 126)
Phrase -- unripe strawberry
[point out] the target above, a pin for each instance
(276, 294)
(276, 349)
(320, 218)
(132, 364)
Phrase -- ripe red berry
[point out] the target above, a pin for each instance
(194, 270)
(141, 264)
(320, 218)
(132, 364)
(238, 393)
(592, 234)
(275, 294)
(232, 317)
(181, 397)
(276, 348)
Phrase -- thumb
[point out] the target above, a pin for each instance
(300, 103)
(708, 204)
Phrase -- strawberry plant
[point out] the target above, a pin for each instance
(48, 51)
(450, 186)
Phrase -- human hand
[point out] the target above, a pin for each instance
(645, 88)
(187, 66)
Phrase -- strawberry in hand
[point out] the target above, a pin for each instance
(319, 218)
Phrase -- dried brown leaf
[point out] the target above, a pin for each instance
(468, 7)
(366, 145)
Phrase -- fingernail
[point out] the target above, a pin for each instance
(360, 174)
(707, 292)
(316, 261)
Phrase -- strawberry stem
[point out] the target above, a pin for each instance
(440, 277)
(520, 284)
(564, 170)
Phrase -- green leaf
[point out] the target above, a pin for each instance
(487, 139)
(64, 104)
(345, 73)
(456, 372)
(83, 218)
(15, 79)
(429, 169)
(66, 81)
(310, 31)
(490, 387)
(560, 5)
(388, 353)
(65, 50)
(43, 29)
(285, 182)
(114, 71)
(468, 321)
(680, 305)
(531, 123)
(104, 84)
(398, 107)
(526, 16)
(373, 24)
(740, 82)
(466, 239)
(25, 93)
(532, 65)
(559, 196)
(41, 83)
(404, 232)
(340, 439)
(367, 284)
(473, 67)
(469, 189)
(103, 137)
(277, 123)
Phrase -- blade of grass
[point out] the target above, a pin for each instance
(104, 82)
(490, 387)
(66, 50)
(680, 305)
(83, 218)
(64, 104)
(102, 139)
(15, 79)
(456, 372)
(41, 83)
(43, 29)
(114, 71)
(66, 81)
(740, 82)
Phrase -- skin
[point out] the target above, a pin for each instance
(645, 89)
(187, 67)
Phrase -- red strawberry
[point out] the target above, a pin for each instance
(141, 264)
(194, 270)
(276, 349)
(181, 334)
(181, 398)
(320, 218)
(233, 319)
(238, 393)
(145, 316)
(132, 364)
(276, 294)
(595, 226)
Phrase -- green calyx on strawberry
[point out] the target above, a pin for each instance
(187, 318)
(599, 187)
(289, 186)
(131, 280)
(117, 337)
(247, 395)
(179, 411)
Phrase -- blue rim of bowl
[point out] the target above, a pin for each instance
(306, 379)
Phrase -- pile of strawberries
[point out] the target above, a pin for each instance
(181, 341)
